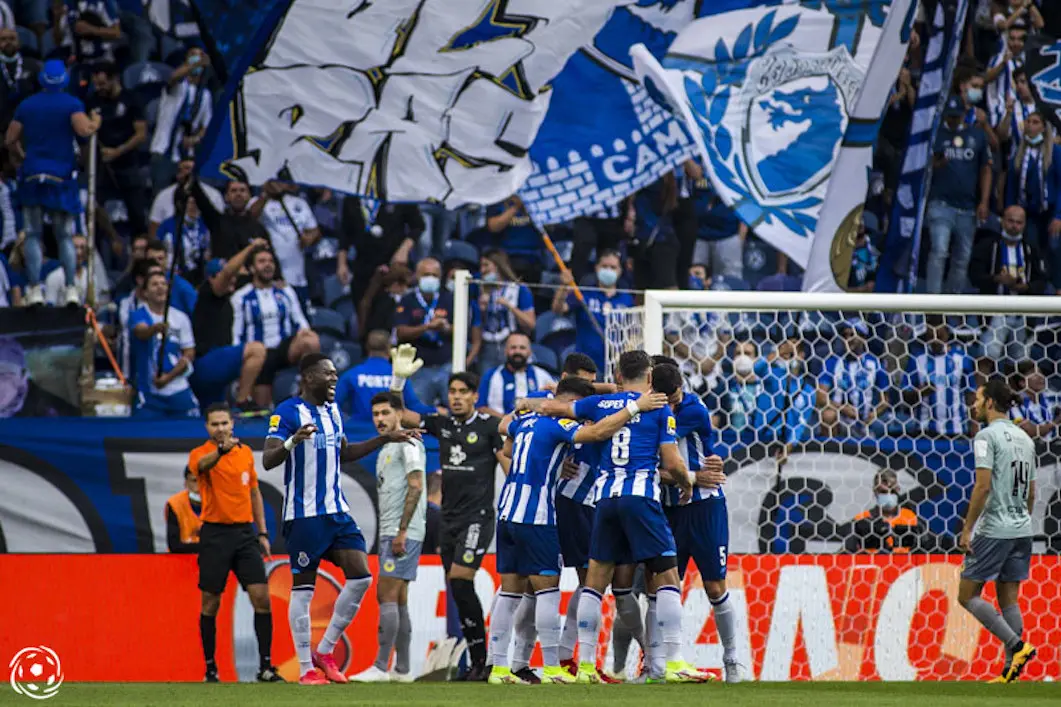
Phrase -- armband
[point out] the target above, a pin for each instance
(632, 408)
(289, 443)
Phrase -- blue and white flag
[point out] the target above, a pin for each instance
(172, 17)
(785, 102)
(449, 101)
(904, 229)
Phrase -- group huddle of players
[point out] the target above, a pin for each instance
(610, 481)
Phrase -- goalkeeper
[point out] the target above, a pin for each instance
(470, 450)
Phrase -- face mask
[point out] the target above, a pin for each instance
(8, 59)
(450, 284)
(517, 362)
(490, 277)
(1012, 238)
(887, 500)
(195, 498)
(429, 284)
(607, 277)
(743, 364)
(973, 95)
(1034, 139)
(795, 366)
(695, 283)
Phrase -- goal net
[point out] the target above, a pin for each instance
(844, 422)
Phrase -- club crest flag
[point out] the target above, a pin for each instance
(784, 103)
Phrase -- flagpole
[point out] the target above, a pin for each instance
(569, 277)
(180, 201)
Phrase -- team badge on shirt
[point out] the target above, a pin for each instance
(473, 437)
(303, 559)
(468, 556)
(388, 566)
(274, 423)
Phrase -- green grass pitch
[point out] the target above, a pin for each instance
(752, 694)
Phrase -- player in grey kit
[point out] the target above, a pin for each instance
(402, 526)
(998, 548)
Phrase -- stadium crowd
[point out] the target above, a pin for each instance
(267, 275)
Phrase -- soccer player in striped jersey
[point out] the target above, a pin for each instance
(306, 436)
(700, 528)
(629, 525)
(574, 523)
(265, 311)
(528, 545)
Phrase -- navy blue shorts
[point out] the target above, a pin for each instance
(527, 550)
(701, 531)
(310, 539)
(574, 523)
(215, 370)
(628, 529)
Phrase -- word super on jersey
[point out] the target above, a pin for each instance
(629, 461)
(312, 471)
(694, 444)
(587, 455)
(539, 445)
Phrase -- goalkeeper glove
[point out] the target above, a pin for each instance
(404, 365)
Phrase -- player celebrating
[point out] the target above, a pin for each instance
(1002, 501)
(629, 525)
(402, 526)
(527, 541)
(701, 528)
(469, 451)
(306, 436)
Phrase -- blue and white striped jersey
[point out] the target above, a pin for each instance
(952, 376)
(629, 461)
(312, 471)
(587, 456)
(539, 445)
(694, 444)
(859, 382)
(1038, 410)
(501, 388)
(268, 315)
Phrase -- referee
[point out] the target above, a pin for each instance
(469, 451)
(232, 506)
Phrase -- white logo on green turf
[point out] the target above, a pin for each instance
(36, 672)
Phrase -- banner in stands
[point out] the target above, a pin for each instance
(1042, 58)
(92, 485)
(40, 361)
(811, 617)
(780, 100)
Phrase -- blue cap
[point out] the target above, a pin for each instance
(53, 76)
(954, 107)
(215, 266)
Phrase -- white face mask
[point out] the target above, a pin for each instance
(194, 496)
(743, 364)
(887, 500)
(429, 284)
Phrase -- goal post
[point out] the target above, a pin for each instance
(825, 406)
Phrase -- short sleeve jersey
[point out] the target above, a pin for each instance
(467, 454)
(629, 461)
(539, 445)
(1009, 453)
(226, 487)
(395, 462)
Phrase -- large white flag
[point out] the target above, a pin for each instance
(785, 104)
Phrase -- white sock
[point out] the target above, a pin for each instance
(726, 623)
(628, 609)
(501, 627)
(669, 619)
(547, 621)
(655, 655)
(526, 633)
(569, 634)
(346, 606)
(298, 618)
(589, 616)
